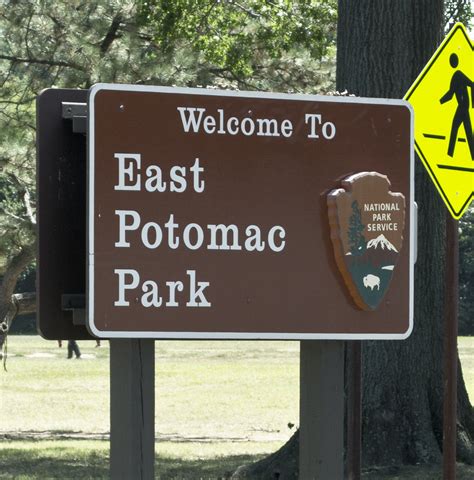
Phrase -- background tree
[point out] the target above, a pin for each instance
(254, 44)
(457, 11)
(381, 48)
(76, 43)
(46, 44)
(402, 405)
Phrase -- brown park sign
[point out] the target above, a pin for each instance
(248, 215)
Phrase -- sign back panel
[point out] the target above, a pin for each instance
(208, 213)
(61, 211)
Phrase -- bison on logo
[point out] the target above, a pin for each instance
(367, 222)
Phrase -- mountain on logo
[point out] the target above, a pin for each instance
(381, 242)
(380, 252)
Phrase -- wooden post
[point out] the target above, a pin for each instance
(354, 408)
(132, 409)
(450, 356)
(321, 410)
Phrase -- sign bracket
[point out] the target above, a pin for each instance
(77, 112)
(75, 303)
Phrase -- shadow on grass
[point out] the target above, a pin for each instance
(21, 464)
(29, 462)
(81, 460)
(416, 472)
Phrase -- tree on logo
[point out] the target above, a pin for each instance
(357, 241)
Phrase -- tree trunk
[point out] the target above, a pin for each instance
(8, 306)
(281, 465)
(382, 46)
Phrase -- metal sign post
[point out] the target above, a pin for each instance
(450, 356)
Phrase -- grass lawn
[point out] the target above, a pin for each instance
(213, 408)
(466, 353)
(86, 459)
(213, 411)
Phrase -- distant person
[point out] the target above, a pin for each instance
(97, 343)
(73, 348)
(459, 86)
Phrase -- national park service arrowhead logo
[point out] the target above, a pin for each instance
(367, 222)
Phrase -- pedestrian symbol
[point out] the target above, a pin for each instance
(443, 99)
(460, 84)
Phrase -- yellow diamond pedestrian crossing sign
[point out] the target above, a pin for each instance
(443, 99)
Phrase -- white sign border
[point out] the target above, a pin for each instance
(234, 335)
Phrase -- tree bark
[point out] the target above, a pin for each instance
(10, 304)
(382, 46)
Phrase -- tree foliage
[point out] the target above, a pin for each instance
(244, 38)
(60, 43)
(279, 45)
(76, 43)
(457, 11)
